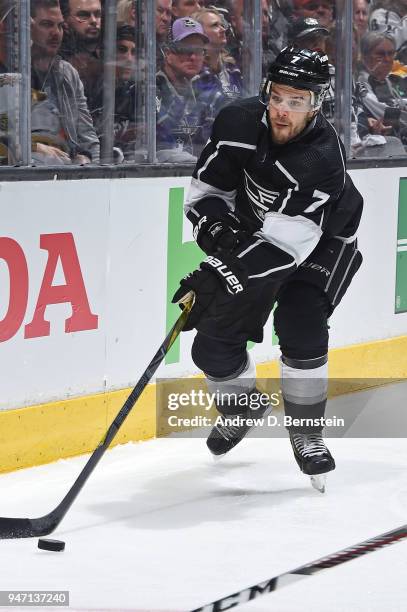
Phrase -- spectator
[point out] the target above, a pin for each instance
(237, 38)
(385, 94)
(61, 123)
(8, 91)
(126, 13)
(222, 6)
(265, 21)
(391, 16)
(6, 6)
(125, 91)
(279, 15)
(322, 10)
(359, 128)
(182, 122)
(125, 53)
(163, 19)
(184, 8)
(213, 26)
(163, 16)
(307, 33)
(270, 38)
(268, 45)
(82, 44)
(220, 80)
(125, 105)
(237, 23)
(359, 124)
(361, 16)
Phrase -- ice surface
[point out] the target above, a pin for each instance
(160, 526)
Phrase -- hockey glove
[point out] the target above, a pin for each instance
(219, 235)
(214, 277)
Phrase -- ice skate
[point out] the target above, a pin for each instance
(313, 457)
(230, 430)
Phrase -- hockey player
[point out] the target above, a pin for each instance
(275, 211)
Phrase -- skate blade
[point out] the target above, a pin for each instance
(319, 482)
(217, 458)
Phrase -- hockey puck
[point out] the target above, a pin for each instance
(54, 545)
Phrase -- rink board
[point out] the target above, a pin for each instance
(91, 266)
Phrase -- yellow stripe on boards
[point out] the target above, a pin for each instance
(47, 432)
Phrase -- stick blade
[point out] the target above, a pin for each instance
(13, 528)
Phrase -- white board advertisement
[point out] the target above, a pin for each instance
(87, 270)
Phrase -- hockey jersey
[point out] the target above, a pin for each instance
(288, 197)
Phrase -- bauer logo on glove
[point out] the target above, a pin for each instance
(213, 279)
(235, 285)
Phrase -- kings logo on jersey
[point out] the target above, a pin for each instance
(261, 198)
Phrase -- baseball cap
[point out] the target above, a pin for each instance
(304, 26)
(181, 28)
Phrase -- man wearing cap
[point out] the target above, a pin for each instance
(323, 10)
(275, 212)
(183, 122)
(307, 33)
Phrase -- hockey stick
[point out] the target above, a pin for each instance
(267, 586)
(37, 527)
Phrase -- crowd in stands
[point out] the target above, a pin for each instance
(201, 65)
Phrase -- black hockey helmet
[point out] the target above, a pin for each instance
(301, 69)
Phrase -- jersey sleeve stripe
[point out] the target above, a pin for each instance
(227, 143)
(208, 161)
(347, 240)
(288, 175)
(252, 246)
(273, 270)
(231, 143)
(193, 211)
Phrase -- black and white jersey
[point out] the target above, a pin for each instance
(288, 197)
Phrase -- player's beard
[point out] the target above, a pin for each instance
(284, 129)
